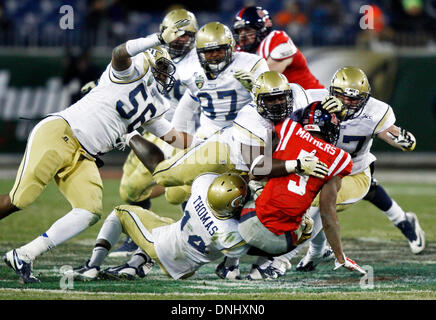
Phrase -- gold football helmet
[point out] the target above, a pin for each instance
(162, 68)
(214, 36)
(273, 96)
(226, 195)
(183, 44)
(351, 86)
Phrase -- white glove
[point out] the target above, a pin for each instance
(173, 32)
(349, 264)
(309, 165)
(405, 139)
(332, 104)
(256, 188)
(245, 78)
(124, 140)
(87, 87)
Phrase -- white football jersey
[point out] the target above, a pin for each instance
(220, 99)
(251, 129)
(199, 237)
(115, 107)
(356, 135)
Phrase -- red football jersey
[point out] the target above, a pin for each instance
(298, 71)
(284, 200)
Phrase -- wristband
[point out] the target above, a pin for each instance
(293, 166)
(130, 136)
(135, 46)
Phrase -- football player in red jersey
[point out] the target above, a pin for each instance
(275, 222)
(253, 33)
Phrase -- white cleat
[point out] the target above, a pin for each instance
(280, 265)
(413, 232)
(86, 273)
(310, 260)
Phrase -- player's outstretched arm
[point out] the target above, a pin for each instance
(121, 55)
(330, 224)
(398, 138)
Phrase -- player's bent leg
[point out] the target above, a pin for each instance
(50, 148)
(139, 223)
(185, 166)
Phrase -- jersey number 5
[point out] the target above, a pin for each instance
(129, 112)
(298, 185)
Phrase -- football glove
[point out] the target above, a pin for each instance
(256, 188)
(311, 166)
(333, 105)
(173, 32)
(306, 230)
(350, 265)
(87, 87)
(245, 78)
(405, 139)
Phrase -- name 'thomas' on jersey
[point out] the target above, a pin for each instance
(199, 237)
(117, 106)
(284, 200)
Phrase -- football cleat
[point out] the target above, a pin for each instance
(280, 266)
(86, 273)
(259, 273)
(310, 260)
(230, 273)
(126, 249)
(127, 272)
(413, 232)
(21, 267)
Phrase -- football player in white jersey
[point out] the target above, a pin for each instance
(206, 232)
(136, 187)
(65, 146)
(365, 118)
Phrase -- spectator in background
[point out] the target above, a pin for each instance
(412, 22)
(379, 32)
(293, 20)
(327, 15)
(5, 27)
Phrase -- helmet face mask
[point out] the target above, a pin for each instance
(162, 68)
(316, 119)
(182, 45)
(226, 195)
(351, 86)
(273, 96)
(251, 26)
(215, 47)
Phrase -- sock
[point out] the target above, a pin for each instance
(318, 243)
(70, 225)
(35, 248)
(386, 204)
(263, 262)
(395, 213)
(138, 259)
(98, 255)
(231, 262)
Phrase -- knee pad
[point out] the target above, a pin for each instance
(177, 195)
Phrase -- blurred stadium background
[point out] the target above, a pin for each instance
(43, 66)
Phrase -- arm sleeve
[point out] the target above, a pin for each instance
(159, 127)
(138, 68)
(282, 47)
(183, 118)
